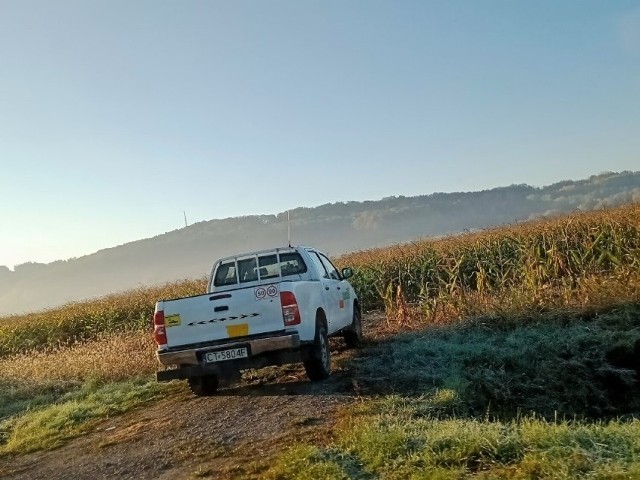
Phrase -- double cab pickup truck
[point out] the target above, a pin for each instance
(270, 307)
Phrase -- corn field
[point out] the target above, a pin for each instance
(83, 321)
(585, 259)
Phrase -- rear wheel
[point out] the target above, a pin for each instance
(318, 362)
(353, 335)
(203, 386)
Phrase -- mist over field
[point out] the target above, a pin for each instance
(336, 228)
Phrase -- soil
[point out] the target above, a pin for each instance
(230, 435)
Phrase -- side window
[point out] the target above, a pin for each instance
(248, 270)
(226, 274)
(333, 271)
(318, 264)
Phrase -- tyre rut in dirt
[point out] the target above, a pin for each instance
(318, 362)
(353, 335)
(203, 386)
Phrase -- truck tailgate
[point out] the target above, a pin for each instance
(217, 316)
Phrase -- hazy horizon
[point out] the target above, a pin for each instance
(335, 228)
(606, 174)
(12, 267)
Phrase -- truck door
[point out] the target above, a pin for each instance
(342, 295)
(332, 292)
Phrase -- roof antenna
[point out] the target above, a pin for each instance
(289, 227)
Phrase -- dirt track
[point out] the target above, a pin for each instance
(183, 436)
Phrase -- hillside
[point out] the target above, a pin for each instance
(336, 228)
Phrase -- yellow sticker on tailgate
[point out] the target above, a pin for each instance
(172, 320)
(240, 330)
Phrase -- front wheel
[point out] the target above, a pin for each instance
(353, 335)
(203, 386)
(318, 361)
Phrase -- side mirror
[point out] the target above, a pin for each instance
(347, 273)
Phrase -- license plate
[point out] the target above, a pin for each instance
(224, 355)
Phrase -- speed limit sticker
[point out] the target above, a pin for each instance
(269, 291)
(272, 290)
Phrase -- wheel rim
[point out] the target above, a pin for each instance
(324, 353)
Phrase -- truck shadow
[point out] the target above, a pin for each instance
(585, 364)
(580, 363)
(291, 380)
(337, 384)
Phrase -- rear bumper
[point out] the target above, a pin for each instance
(263, 351)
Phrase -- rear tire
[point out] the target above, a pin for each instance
(318, 361)
(203, 386)
(353, 335)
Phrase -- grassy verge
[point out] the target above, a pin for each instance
(61, 416)
(549, 365)
(48, 397)
(18, 396)
(557, 397)
(396, 445)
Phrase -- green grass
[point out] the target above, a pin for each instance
(551, 366)
(551, 397)
(16, 397)
(58, 416)
(399, 445)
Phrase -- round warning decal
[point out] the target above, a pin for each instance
(261, 293)
(272, 290)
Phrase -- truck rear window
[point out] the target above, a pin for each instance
(248, 270)
(226, 274)
(291, 264)
(267, 266)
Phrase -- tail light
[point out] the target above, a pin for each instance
(159, 330)
(290, 311)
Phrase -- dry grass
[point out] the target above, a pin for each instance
(81, 321)
(108, 358)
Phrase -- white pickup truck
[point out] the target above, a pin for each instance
(262, 308)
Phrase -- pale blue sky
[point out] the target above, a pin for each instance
(115, 116)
